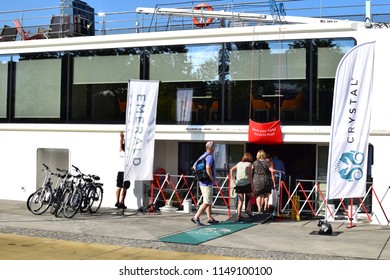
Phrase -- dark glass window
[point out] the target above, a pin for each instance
(190, 86)
(289, 80)
(4, 61)
(282, 80)
(37, 86)
(99, 84)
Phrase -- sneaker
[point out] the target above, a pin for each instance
(197, 222)
(122, 206)
(213, 221)
(117, 205)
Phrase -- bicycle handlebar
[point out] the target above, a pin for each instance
(48, 171)
(94, 177)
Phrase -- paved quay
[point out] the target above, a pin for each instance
(109, 235)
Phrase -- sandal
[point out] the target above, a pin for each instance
(213, 221)
(249, 213)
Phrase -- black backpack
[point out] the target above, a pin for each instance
(200, 170)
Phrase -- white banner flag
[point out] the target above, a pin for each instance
(351, 116)
(140, 129)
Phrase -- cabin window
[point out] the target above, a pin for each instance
(220, 83)
(99, 91)
(38, 89)
(3, 89)
(267, 64)
(190, 88)
(105, 69)
(290, 80)
(185, 63)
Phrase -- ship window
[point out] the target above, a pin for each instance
(185, 63)
(3, 89)
(105, 69)
(268, 64)
(38, 89)
(100, 78)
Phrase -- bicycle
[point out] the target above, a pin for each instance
(92, 192)
(57, 193)
(97, 198)
(40, 200)
(71, 198)
(85, 194)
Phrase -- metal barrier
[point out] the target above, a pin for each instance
(306, 198)
(312, 201)
(185, 187)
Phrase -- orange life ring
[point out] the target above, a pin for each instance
(202, 6)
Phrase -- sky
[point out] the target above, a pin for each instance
(131, 5)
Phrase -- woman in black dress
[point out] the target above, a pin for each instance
(263, 180)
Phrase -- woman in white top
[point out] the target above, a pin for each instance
(243, 182)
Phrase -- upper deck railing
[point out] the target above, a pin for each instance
(52, 22)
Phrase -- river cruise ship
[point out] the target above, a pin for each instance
(64, 80)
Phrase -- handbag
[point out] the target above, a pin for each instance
(272, 200)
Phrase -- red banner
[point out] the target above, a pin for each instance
(265, 133)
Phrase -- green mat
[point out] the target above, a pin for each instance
(205, 233)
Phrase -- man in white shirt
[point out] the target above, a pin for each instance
(122, 185)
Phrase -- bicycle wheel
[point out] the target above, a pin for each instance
(56, 200)
(88, 192)
(97, 199)
(34, 203)
(40, 201)
(60, 203)
(72, 203)
(28, 201)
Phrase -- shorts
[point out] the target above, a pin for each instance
(244, 189)
(120, 183)
(207, 193)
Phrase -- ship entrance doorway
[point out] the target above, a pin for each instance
(299, 159)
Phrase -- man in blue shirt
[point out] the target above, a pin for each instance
(279, 166)
(206, 187)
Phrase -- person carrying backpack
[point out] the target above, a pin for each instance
(206, 186)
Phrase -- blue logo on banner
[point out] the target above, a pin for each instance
(349, 166)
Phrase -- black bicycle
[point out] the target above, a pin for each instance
(66, 180)
(92, 192)
(83, 194)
